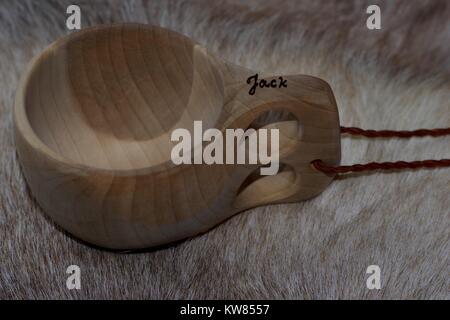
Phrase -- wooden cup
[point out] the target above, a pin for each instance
(93, 120)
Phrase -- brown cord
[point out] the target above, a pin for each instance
(398, 165)
(399, 134)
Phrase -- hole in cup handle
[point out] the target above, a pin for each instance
(258, 190)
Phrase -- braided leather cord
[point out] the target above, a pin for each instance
(397, 165)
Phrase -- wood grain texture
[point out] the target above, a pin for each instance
(93, 119)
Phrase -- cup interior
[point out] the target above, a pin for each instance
(109, 97)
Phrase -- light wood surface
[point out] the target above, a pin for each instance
(93, 118)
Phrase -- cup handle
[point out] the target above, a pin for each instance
(314, 134)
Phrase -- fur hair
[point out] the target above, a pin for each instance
(394, 78)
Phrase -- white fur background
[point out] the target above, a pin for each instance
(394, 78)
